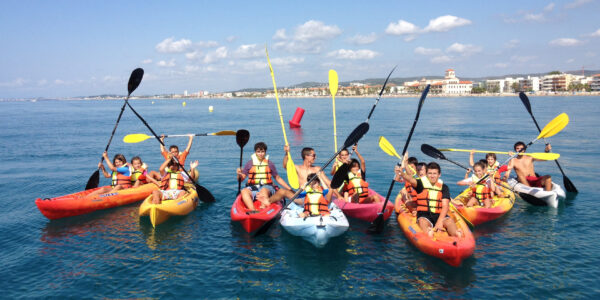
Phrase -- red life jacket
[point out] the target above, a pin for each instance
(356, 185)
(120, 179)
(139, 175)
(430, 199)
(172, 181)
(260, 173)
(315, 203)
(410, 190)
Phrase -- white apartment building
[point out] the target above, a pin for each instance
(595, 83)
(449, 85)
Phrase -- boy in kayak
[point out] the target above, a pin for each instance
(260, 172)
(342, 158)
(307, 167)
(523, 166)
(433, 197)
(408, 192)
(171, 184)
(481, 193)
(317, 199)
(120, 175)
(181, 156)
(356, 188)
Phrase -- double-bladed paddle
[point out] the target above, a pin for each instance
(140, 137)
(377, 225)
(241, 138)
(569, 186)
(536, 155)
(354, 137)
(134, 81)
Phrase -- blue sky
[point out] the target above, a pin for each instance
(73, 48)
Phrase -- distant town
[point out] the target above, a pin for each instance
(553, 83)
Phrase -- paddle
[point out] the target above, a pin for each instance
(377, 225)
(290, 166)
(354, 137)
(569, 186)
(134, 81)
(203, 193)
(435, 153)
(537, 155)
(333, 87)
(140, 137)
(241, 138)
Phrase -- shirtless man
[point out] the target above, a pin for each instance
(307, 167)
(523, 165)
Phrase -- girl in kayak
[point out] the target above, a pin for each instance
(120, 175)
(342, 158)
(408, 193)
(492, 167)
(356, 188)
(481, 193)
(317, 199)
(172, 182)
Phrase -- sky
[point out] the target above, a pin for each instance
(80, 48)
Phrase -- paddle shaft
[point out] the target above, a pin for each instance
(116, 124)
(239, 181)
(197, 134)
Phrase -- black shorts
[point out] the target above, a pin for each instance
(433, 218)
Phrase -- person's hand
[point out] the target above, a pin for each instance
(238, 171)
(548, 148)
(354, 148)
(162, 138)
(510, 153)
(286, 148)
(105, 155)
(397, 169)
(472, 151)
(101, 166)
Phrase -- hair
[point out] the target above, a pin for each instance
(434, 165)
(353, 162)
(345, 149)
(310, 177)
(172, 163)
(520, 143)
(413, 160)
(421, 165)
(483, 161)
(137, 158)
(173, 147)
(260, 146)
(491, 155)
(306, 151)
(479, 164)
(120, 157)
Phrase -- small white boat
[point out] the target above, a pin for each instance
(317, 230)
(536, 195)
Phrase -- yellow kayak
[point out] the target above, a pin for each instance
(477, 214)
(159, 213)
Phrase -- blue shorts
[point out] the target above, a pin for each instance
(256, 188)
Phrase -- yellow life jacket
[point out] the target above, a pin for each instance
(356, 185)
(260, 173)
(430, 199)
(315, 203)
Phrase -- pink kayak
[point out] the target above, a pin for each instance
(365, 211)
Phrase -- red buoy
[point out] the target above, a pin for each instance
(295, 121)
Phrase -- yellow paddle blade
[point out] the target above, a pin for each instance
(387, 147)
(292, 175)
(135, 138)
(333, 82)
(543, 156)
(555, 126)
(224, 132)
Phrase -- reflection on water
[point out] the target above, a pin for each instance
(298, 136)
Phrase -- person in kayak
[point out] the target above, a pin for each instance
(260, 172)
(171, 184)
(120, 175)
(408, 192)
(433, 197)
(174, 151)
(356, 188)
(421, 169)
(340, 159)
(317, 199)
(481, 193)
(493, 168)
(307, 167)
(523, 166)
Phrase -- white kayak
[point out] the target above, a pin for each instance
(537, 195)
(317, 230)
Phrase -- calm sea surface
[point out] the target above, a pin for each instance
(50, 148)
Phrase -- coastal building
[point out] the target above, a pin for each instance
(449, 85)
(595, 83)
(556, 82)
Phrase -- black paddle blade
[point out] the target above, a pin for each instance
(569, 186)
(432, 151)
(356, 134)
(340, 176)
(204, 194)
(135, 79)
(377, 225)
(93, 181)
(525, 101)
(241, 137)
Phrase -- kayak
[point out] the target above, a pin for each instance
(452, 250)
(251, 222)
(316, 230)
(478, 214)
(159, 213)
(78, 204)
(366, 211)
(538, 196)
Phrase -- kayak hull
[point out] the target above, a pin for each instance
(451, 250)
(316, 230)
(538, 196)
(78, 204)
(159, 213)
(252, 222)
(478, 215)
(366, 211)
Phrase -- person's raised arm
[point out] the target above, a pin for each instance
(189, 145)
(363, 166)
(471, 160)
(108, 162)
(164, 165)
(162, 145)
(509, 167)
(407, 177)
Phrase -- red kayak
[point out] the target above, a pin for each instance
(77, 204)
(365, 211)
(252, 221)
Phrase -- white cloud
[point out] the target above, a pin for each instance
(42, 82)
(549, 7)
(191, 69)
(511, 44)
(577, 3)
(445, 23)
(59, 82)
(595, 33)
(206, 44)
(216, 55)
(402, 27)
(169, 45)
(147, 61)
(570, 60)
(14, 83)
(565, 42)
(427, 51)
(109, 78)
(166, 64)
(193, 55)
(363, 39)
(441, 59)
(249, 51)
(463, 49)
(522, 59)
(534, 17)
(352, 54)
(231, 38)
(309, 37)
(286, 61)
(501, 65)
(280, 35)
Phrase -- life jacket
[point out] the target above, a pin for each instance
(430, 199)
(260, 173)
(337, 164)
(481, 190)
(172, 181)
(315, 203)
(410, 189)
(120, 179)
(492, 170)
(356, 185)
(139, 175)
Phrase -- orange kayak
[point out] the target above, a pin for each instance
(478, 214)
(452, 250)
(78, 204)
